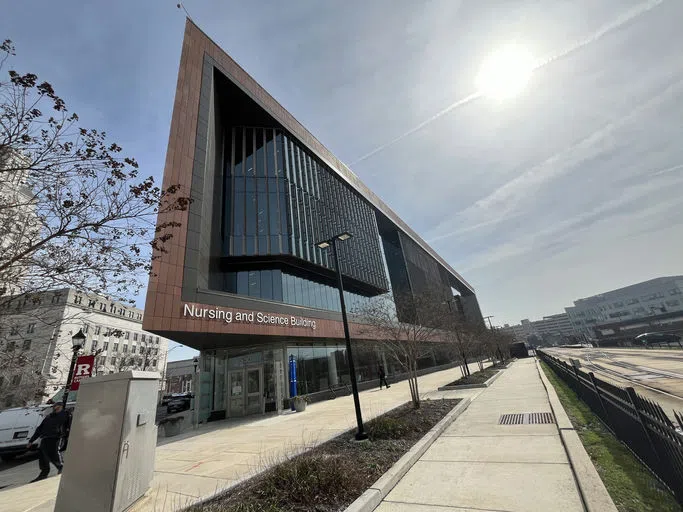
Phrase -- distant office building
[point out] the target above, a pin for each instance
(178, 376)
(552, 328)
(651, 298)
(36, 347)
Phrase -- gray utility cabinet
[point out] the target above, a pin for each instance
(109, 463)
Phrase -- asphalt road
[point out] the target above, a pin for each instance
(656, 374)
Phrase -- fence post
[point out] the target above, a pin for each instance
(632, 396)
(602, 402)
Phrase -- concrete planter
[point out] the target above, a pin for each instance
(473, 386)
(173, 426)
(299, 404)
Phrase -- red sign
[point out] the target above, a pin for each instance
(82, 370)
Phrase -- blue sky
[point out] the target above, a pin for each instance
(569, 189)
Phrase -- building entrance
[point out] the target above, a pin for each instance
(245, 391)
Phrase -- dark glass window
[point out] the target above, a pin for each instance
(267, 284)
(277, 285)
(254, 283)
(243, 283)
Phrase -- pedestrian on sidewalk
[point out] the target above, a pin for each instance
(382, 376)
(50, 431)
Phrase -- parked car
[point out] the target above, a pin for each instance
(179, 402)
(17, 425)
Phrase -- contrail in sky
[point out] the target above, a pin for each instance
(624, 18)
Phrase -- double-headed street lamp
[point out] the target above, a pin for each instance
(360, 435)
(78, 341)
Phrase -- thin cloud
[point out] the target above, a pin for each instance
(621, 20)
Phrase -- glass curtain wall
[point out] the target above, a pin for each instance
(278, 199)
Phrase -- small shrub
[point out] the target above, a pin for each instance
(387, 428)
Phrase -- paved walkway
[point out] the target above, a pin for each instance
(479, 465)
(219, 454)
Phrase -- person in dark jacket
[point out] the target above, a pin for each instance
(382, 376)
(50, 431)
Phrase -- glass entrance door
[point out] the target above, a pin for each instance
(236, 393)
(254, 378)
(245, 391)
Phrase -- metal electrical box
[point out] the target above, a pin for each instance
(110, 460)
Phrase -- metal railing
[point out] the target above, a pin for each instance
(641, 424)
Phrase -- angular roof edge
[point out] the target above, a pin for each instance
(289, 122)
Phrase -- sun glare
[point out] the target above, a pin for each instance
(505, 73)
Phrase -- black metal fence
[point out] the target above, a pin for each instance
(639, 423)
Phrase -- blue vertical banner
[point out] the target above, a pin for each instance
(292, 380)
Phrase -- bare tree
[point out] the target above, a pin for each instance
(74, 212)
(409, 339)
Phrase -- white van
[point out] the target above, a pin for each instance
(17, 425)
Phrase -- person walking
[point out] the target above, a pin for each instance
(382, 376)
(50, 431)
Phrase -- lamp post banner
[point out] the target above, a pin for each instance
(83, 370)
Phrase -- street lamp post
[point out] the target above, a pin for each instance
(78, 340)
(360, 435)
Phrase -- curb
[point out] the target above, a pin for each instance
(372, 497)
(593, 492)
(474, 386)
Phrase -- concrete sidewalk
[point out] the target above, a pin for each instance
(222, 453)
(477, 464)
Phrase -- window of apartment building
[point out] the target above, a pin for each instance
(92, 303)
(125, 349)
(86, 328)
(26, 345)
(142, 338)
(135, 336)
(97, 329)
(127, 335)
(132, 349)
(156, 341)
(94, 345)
(103, 360)
(56, 298)
(103, 306)
(78, 299)
(113, 360)
(31, 328)
(121, 311)
(154, 362)
(14, 330)
(115, 347)
(16, 380)
(139, 316)
(10, 346)
(112, 308)
(105, 345)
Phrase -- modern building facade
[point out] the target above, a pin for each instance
(659, 296)
(36, 347)
(243, 280)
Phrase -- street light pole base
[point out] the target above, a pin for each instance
(361, 436)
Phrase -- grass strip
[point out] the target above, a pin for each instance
(631, 486)
(329, 477)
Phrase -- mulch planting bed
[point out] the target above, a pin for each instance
(479, 377)
(331, 476)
